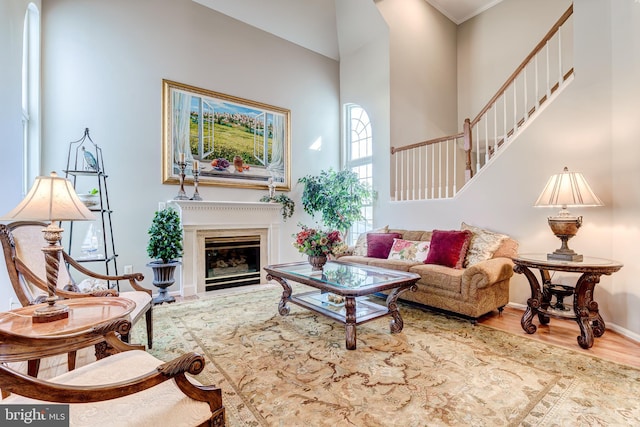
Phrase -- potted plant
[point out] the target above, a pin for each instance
(318, 245)
(337, 196)
(165, 246)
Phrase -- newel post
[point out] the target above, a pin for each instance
(468, 173)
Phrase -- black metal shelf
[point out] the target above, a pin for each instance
(85, 162)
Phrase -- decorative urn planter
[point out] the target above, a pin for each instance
(163, 277)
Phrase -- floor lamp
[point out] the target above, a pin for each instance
(51, 198)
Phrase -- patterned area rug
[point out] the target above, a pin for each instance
(440, 371)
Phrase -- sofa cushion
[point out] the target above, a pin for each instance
(360, 249)
(393, 264)
(483, 245)
(508, 249)
(439, 276)
(418, 235)
(409, 250)
(379, 244)
(449, 248)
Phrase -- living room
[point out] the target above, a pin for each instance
(417, 73)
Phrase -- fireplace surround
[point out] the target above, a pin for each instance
(206, 220)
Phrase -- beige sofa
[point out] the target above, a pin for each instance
(470, 292)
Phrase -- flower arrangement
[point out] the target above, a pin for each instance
(314, 242)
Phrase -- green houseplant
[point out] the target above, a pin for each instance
(165, 246)
(288, 205)
(338, 196)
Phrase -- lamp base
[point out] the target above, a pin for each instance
(50, 313)
(565, 256)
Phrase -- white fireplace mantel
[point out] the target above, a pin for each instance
(208, 216)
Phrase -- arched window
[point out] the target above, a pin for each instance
(31, 96)
(359, 151)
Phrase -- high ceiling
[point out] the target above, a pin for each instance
(312, 23)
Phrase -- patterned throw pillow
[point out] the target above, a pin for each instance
(409, 250)
(360, 248)
(484, 244)
(449, 248)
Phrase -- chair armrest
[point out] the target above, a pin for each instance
(35, 388)
(133, 278)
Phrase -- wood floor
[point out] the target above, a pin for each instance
(561, 332)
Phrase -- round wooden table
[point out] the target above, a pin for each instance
(22, 339)
(584, 309)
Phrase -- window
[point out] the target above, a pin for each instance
(30, 97)
(359, 149)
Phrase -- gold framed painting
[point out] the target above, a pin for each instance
(233, 142)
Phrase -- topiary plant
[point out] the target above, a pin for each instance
(337, 196)
(165, 236)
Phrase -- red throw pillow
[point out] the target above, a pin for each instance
(379, 244)
(449, 248)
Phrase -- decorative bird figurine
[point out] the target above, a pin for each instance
(90, 160)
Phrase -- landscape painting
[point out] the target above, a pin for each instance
(231, 141)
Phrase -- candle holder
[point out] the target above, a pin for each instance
(196, 195)
(181, 194)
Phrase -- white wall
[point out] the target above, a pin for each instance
(625, 58)
(103, 64)
(423, 71)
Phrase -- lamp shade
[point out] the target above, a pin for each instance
(567, 189)
(51, 198)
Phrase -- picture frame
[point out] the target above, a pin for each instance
(234, 142)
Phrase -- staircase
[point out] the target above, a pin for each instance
(432, 169)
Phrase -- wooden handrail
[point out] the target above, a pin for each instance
(429, 142)
(524, 63)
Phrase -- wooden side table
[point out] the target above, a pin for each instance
(584, 309)
(38, 341)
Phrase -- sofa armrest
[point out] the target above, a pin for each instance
(488, 272)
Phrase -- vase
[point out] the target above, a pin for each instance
(317, 262)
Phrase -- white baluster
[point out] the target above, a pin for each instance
(515, 107)
(560, 76)
(546, 47)
(446, 176)
(537, 90)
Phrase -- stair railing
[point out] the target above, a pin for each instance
(431, 169)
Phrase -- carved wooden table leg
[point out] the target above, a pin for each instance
(586, 310)
(286, 294)
(533, 303)
(396, 324)
(350, 322)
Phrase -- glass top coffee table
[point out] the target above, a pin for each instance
(344, 292)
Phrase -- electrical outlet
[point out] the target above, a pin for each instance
(128, 269)
(13, 304)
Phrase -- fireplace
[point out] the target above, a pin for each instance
(210, 227)
(231, 261)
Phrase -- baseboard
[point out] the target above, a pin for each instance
(612, 326)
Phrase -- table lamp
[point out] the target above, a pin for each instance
(566, 189)
(51, 198)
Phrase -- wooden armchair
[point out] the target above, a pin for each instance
(128, 388)
(22, 244)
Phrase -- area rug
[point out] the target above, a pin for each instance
(439, 371)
